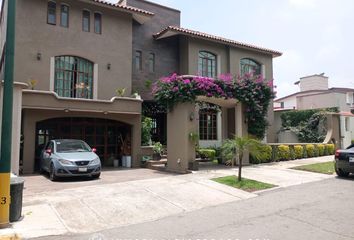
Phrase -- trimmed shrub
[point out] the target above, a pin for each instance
(330, 148)
(283, 152)
(206, 153)
(310, 150)
(292, 153)
(299, 151)
(316, 151)
(264, 157)
(321, 149)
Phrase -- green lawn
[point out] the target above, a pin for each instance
(246, 184)
(325, 168)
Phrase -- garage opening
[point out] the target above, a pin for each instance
(112, 139)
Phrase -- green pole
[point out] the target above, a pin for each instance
(6, 128)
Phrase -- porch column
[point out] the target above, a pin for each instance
(241, 127)
(136, 141)
(16, 125)
(181, 121)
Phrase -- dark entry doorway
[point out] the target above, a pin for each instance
(111, 138)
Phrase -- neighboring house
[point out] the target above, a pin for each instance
(81, 51)
(314, 93)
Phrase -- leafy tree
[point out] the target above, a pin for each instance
(235, 149)
(146, 126)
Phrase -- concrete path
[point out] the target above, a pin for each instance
(91, 206)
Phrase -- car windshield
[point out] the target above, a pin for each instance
(72, 146)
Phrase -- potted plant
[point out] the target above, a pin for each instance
(125, 149)
(157, 150)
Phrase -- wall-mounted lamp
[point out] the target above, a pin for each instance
(105, 112)
(39, 56)
(108, 66)
(66, 110)
(191, 116)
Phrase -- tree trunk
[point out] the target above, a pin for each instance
(240, 167)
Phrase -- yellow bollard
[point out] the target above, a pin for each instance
(5, 199)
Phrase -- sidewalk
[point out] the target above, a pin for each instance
(93, 208)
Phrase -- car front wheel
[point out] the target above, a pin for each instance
(52, 176)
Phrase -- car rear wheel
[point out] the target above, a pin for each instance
(341, 173)
(52, 176)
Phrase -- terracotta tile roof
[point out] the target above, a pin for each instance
(124, 7)
(215, 38)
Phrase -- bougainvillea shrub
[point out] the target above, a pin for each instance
(254, 92)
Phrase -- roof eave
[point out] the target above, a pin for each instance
(172, 32)
(140, 17)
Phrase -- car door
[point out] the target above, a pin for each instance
(47, 158)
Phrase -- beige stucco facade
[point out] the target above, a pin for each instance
(228, 61)
(37, 43)
(113, 46)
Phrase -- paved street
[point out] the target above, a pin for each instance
(319, 210)
(129, 197)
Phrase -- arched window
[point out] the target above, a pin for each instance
(73, 77)
(250, 66)
(207, 64)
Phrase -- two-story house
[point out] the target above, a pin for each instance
(76, 53)
(315, 93)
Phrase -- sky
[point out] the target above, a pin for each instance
(315, 36)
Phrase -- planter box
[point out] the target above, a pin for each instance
(193, 166)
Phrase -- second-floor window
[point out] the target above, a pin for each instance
(98, 23)
(208, 124)
(64, 15)
(51, 13)
(86, 21)
(207, 64)
(151, 62)
(73, 77)
(250, 66)
(138, 60)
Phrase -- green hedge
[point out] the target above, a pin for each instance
(283, 152)
(321, 148)
(330, 149)
(264, 157)
(310, 150)
(207, 153)
(299, 151)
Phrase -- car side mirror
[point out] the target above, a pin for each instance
(48, 151)
(94, 150)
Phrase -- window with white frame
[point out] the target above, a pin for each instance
(73, 77)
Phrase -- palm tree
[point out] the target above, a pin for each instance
(235, 149)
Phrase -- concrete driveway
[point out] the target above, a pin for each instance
(126, 197)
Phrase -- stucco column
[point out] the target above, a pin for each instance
(16, 125)
(136, 141)
(241, 127)
(29, 135)
(224, 129)
(181, 121)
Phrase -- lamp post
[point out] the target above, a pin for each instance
(6, 128)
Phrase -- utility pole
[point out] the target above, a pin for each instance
(6, 128)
